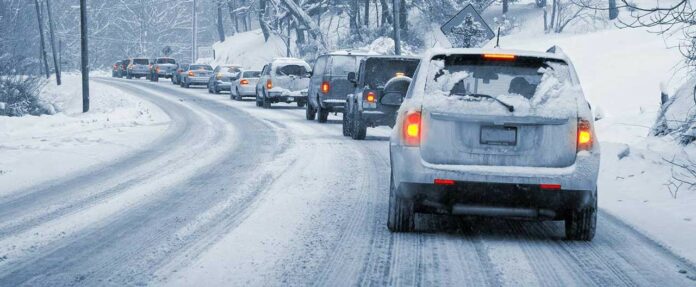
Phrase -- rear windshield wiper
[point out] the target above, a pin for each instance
(509, 107)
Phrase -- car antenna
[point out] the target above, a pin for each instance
(497, 40)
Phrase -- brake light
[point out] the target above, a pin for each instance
(440, 181)
(550, 186)
(269, 84)
(499, 57)
(584, 135)
(157, 69)
(115, 67)
(190, 73)
(244, 82)
(370, 97)
(325, 87)
(412, 128)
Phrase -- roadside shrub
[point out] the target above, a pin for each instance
(19, 89)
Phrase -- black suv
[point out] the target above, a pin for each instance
(378, 93)
(329, 84)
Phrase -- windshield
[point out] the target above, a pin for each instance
(233, 70)
(201, 67)
(379, 71)
(251, 74)
(472, 74)
(141, 61)
(166, 61)
(292, 70)
(342, 65)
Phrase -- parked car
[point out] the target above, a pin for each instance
(178, 74)
(245, 86)
(376, 96)
(490, 132)
(137, 67)
(162, 67)
(196, 74)
(222, 78)
(283, 80)
(116, 70)
(329, 85)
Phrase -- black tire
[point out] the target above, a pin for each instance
(401, 212)
(322, 114)
(346, 122)
(187, 85)
(581, 224)
(210, 91)
(310, 113)
(237, 95)
(216, 90)
(266, 102)
(300, 104)
(359, 129)
(129, 76)
(155, 78)
(258, 99)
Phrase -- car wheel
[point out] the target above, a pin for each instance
(237, 95)
(155, 78)
(216, 90)
(187, 85)
(310, 113)
(266, 102)
(582, 224)
(401, 211)
(258, 99)
(128, 76)
(359, 130)
(323, 114)
(346, 122)
(301, 104)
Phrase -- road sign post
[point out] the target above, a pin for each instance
(467, 29)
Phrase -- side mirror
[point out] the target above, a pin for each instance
(353, 78)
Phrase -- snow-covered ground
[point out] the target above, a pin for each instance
(41, 149)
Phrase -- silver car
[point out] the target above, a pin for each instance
(495, 133)
(197, 74)
(222, 78)
(245, 86)
(283, 80)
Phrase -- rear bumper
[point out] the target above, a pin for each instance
(334, 105)
(197, 80)
(374, 118)
(280, 97)
(223, 86)
(246, 90)
(417, 178)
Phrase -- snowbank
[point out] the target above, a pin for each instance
(35, 149)
(248, 49)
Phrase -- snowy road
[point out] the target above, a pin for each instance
(236, 195)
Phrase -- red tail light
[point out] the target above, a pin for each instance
(499, 57)
(269, 84)
(325, 87)
(191, 74)
(371, 97)
(584, 135)
(440, 181)
(115, 67)
(412, 128)
(244, 82)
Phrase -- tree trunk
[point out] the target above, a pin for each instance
(53, 42)
(232, 9)
(505, 6)
(386, 15)
(366, 15)
(403, 16)
(220, 24)
(553, 14)
(262, 20)
(354, 11)
(397, 30)
(41, 34)
(613, 10)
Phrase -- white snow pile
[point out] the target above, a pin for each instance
(678, 114)
(248, 49)
(41, 148)
(556, 96)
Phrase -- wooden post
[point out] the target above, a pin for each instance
(42, 46)
(56, 67)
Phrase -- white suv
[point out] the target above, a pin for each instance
(283, 80)
(495, 133)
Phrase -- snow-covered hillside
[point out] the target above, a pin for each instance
(248, 49)
(39, 149)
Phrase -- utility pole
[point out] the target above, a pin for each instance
(43, 46)
(53, 42)
(85, 56)
(397, 27)
(194, 32)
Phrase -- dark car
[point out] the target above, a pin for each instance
(178, 74)
(329, 84)
(375, 99)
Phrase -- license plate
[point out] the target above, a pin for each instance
(499, 135)
(291, 99)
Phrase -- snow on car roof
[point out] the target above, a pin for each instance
(352, 52)
(289, 61)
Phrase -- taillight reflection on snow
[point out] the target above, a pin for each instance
(412, 128)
